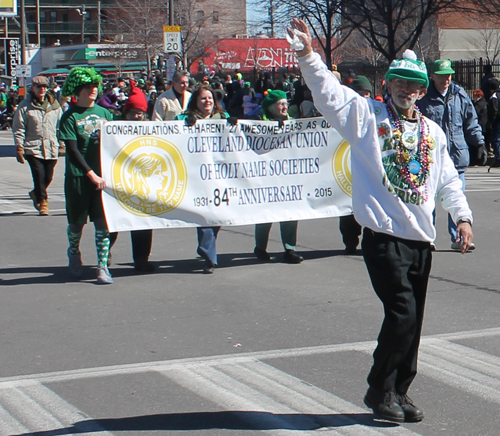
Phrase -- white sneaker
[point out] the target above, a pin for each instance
(458, 246)
(103, 275)
(75, 265)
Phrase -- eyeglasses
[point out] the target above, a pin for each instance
(409, 85)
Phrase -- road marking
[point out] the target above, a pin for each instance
(482, 182)
(135, 368)
(277, 400)
(33, 407)
(259, 394)
(9, 425)
(462, 367)
(21, 203)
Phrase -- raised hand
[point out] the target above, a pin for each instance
(300, 29)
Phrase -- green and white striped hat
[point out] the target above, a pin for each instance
(408, 68)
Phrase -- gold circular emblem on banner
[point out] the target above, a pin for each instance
(149, 176)
(341, 167)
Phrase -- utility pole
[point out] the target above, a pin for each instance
(23, 32)
(99, 21)
(38, 37)
(82, 13)
(170, 12)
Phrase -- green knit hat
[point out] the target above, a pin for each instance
(272, 97)
(361, 83)
(408, 68)
(80, 76)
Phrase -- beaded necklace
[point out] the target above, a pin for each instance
(413, 149)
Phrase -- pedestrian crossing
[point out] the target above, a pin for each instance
(22, 204)
(482, 181)
(267, 399)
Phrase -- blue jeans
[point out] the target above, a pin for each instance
(495, 140)
(207, 236)
(452, 227)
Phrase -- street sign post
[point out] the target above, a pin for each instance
(172, 40)
(170, 61)
(22, 71)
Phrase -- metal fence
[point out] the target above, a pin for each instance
(468, 73)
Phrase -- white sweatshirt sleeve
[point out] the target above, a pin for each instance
(341, 106)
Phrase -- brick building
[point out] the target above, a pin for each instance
(76, 21)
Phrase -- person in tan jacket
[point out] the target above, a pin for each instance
(35, 126)
(173, 101)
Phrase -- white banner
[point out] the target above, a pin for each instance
(167, 174)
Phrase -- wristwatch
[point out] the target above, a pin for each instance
(464, 220)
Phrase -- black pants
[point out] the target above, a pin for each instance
(142, 241)
(42, 171)
(350, 230)
(399, 271)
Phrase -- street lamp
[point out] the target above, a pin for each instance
(83, 14)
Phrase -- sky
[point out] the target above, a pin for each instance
(252, 14)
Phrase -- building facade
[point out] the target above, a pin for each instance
(62, 22)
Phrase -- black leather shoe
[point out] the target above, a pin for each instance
(385, 405)
(291, 256)
(412, 412)
(261, 254)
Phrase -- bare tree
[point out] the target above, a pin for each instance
(389, 26)
(140, 22)
(486, 43)
(323, 17)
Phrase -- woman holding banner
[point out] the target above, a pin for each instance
(142, 240)
(275, 108)
(204, 105)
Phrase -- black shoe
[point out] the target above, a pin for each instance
(412, 412)
(291, 256)
(385, 405)
(143, 266)
(261, 254)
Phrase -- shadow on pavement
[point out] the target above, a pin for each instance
(60, 274)
(230, 420)
(7, 151)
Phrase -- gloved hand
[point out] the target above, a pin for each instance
(190, 120)
(20, 154)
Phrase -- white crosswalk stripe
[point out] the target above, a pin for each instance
(8, 424)
(279, 396)
(32, 407)
(21, 203)
(264, 397)
(462, 367)
(483, 182)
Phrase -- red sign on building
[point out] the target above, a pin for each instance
(247, 54)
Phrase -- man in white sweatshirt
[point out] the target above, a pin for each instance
(400, 168)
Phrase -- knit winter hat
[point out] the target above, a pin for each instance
(80, 76)
(136, 99)
(272, 97)
(361, 83)
(408, 68)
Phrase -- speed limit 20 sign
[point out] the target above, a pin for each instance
(172, 39)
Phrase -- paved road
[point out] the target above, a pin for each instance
(254, 349)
